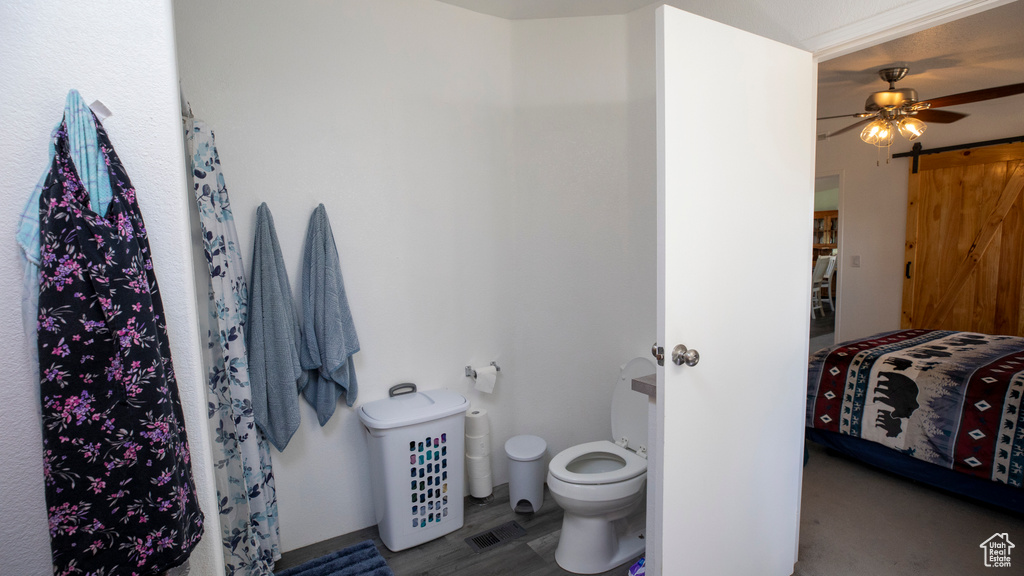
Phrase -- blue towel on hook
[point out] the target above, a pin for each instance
(91, 165)
(329, 336)
(272, 333)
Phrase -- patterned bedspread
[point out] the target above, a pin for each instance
(949, 398)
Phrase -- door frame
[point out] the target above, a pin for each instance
(900, 21)
(841, 175)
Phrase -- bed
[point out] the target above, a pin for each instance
(938, 406)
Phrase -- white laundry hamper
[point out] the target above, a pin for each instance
(416, 444)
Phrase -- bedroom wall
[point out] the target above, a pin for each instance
(873, 212)
(476, 173)
(826, 193)
(47, 48)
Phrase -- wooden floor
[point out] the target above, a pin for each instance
(529, 555)
(824, 323)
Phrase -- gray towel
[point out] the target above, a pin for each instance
(275, 373)
(329, 337)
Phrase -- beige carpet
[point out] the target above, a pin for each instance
(857, 521)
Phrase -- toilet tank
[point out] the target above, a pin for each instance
(629, 407)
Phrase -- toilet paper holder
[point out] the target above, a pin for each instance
(470, 373)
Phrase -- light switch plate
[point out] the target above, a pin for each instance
(856, 261)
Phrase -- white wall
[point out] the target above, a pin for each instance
(826, 193)
(873, 211)
(396, 116)
(585, 230)
(121, 53)
(475, 171)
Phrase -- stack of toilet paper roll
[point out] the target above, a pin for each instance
(478, 452)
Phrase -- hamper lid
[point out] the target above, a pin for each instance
(412, 408)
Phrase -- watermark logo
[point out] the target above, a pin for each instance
(997, 550)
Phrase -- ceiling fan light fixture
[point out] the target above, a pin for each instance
(879, 132)
(911, 128)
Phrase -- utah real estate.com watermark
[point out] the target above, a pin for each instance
(997, 550)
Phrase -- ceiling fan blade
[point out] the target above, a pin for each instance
(976, 95)
(855, 115)
(850, 127)
(939, 116)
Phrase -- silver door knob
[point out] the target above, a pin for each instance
(680, 356)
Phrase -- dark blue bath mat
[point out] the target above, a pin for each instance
(363, 559)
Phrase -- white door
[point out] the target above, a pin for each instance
(735, 202)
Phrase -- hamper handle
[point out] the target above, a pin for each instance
(395, 390)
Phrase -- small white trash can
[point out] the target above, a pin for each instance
(527, 469)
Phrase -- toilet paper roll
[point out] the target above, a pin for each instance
(478, 445)
(486, 376)
(480, 487)
(477, 422)
(478, 466)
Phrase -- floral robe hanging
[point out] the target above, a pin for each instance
(119, 490)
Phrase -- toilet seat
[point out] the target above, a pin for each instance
(633, 465)
(601, 485)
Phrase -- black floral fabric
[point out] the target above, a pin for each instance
(119, 490)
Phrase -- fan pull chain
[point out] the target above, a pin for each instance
(878, 154)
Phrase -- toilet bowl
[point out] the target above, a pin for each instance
(601, 485)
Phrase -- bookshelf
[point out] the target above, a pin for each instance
(826, 232)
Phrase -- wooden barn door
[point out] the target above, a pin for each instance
(964, 265)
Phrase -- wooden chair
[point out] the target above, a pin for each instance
(826, 283)
(816, 284)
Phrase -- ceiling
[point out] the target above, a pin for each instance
(800, 23)
(980, 51)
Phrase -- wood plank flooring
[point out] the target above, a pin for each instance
(529, 555)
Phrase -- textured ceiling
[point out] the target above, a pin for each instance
(979, 51)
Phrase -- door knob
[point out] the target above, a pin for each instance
(659, 354)
(680, 356)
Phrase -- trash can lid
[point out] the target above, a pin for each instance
(525, 448)
(408, 409)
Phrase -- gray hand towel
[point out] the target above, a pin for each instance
(329, 337)
(275, 373)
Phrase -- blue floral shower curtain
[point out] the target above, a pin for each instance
(246, 495)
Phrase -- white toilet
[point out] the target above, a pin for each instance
(601, 485)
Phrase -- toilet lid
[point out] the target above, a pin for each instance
(629, 407)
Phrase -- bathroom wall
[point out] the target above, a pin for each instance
(477, 176)
(397, 117)
(873, 212)
(584, 244)
(121, 53)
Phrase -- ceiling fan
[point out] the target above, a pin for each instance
(899, 109)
